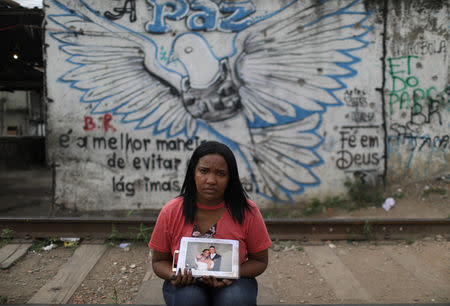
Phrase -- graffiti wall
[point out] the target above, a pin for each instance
(306, 94)
(418, 91)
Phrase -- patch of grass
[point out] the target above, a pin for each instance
(281, 213)
(313, 208)
(410, 241)
(363, 195)
(368, 230)
(142, 234)
(113, 238)
(437, 190)
(317, 206)
(38, 244)
(115, 297)
(335, 202)
(129, 213)
(6, 236)
(399, 195)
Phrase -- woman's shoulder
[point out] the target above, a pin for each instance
(254, 210)
(173, 205)
(251, 203)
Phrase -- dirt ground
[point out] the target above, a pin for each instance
(291, 273)
(22, 280)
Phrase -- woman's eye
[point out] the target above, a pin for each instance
(203, 170)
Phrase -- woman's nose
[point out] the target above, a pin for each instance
(211, 179)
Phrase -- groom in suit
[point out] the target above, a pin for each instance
(217, 259)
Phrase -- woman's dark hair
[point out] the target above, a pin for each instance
(235, 195)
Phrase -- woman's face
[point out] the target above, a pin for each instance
(206, 253)
(211, 179)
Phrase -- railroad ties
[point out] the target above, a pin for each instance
(317, 256)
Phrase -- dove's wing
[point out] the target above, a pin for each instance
(298, 60)
(110, 70)
(282, 156)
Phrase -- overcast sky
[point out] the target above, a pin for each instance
(30, 3)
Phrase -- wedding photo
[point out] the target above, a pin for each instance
(204, 256)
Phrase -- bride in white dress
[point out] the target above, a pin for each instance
(203, 262)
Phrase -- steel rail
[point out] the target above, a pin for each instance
(283, 229)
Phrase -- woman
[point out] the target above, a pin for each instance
(212, 204)
(203, 262)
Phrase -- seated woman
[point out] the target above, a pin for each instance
(212, 204)
(203, 262)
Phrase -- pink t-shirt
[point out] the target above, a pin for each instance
(170, 228)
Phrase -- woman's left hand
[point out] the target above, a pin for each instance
(215, 283)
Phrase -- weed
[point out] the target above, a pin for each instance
(299, 248)
(368, 230)
(399, 195)
(410, 241)
(317, 206)
(129, 213)
(6, 236)
(334, 202)
(281, 213)
(363, 195)
(314, 207)
(143, 234)
(113, 238)
(115, 297)
(3, 299)
(38, 244)
(437, 190)
(53, 240)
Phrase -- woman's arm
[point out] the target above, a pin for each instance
(162, 266)
(255, 265)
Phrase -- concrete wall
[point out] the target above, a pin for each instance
(306, 93)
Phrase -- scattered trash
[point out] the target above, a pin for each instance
(332, 246)
(124, 245)
(70, 242)
(133, 266)
(49, 247)
(387, 205)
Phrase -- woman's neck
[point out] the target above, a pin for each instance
(211, 206)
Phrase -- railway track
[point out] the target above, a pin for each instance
(282, 229)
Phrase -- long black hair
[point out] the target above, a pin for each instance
(235, 195)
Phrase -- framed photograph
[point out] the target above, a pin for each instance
(208, 256)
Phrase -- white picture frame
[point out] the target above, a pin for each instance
(191, 255)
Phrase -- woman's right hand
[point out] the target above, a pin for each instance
(182, 279)
(162, 266)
